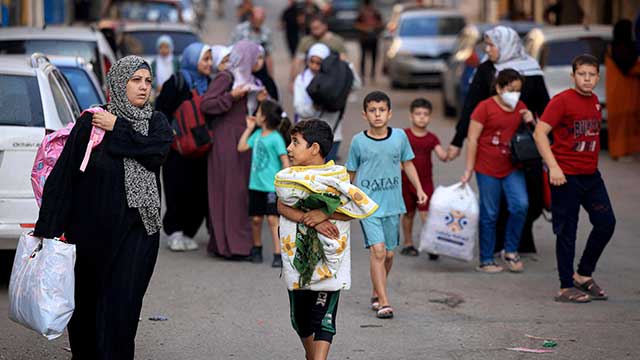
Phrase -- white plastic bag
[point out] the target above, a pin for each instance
(452, 223)
(41, 290)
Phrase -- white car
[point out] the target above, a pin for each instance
(416, 52)
(34, 98)
(82, 41)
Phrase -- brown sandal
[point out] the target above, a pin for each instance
(573, 295)
(592, 289)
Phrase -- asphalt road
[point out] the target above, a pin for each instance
(231, 310)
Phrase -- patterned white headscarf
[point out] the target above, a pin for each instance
(140, 183)
(512, 53)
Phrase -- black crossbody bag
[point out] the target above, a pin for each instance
(523, 146)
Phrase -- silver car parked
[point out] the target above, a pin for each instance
(34, 98)
(420, 45)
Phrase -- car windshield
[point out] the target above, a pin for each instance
(20, 101)
(82, 87)
(562, 52)
(144, 42)
(430, 26)
(148, 11)
(88, 50)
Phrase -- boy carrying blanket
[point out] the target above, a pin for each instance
(316, 201)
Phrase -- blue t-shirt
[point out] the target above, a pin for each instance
(265, 159)
(377, 166)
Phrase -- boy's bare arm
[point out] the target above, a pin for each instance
(412, 175)
(293, 214)
(340, 217)
(441, 153)
(541, 136)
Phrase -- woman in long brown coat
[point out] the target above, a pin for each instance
(232, 95)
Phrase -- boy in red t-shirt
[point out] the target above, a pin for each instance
(423, 142)
(574, 115)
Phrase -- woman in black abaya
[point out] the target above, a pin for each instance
(111, 211)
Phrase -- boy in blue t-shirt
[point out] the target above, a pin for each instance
(374, 163)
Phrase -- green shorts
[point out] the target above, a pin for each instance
(381, 230)
(314, 313)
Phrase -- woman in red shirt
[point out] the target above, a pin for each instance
(493, 123)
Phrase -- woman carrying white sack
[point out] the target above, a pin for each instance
(303, 104)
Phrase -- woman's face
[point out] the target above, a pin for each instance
(491, 49)
(259, 63)
(204, 65)
(224, 63)
(314, 64)
(139, 88)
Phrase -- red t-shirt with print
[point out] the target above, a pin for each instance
(494, 155)
(575, 119)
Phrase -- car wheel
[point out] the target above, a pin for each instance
(6, 264)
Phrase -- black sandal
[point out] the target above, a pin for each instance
(409, 251)
(592, 289)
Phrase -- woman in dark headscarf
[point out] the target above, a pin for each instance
(505, 51)
(111, 212)
(233, 94)
(622, 89)
(185, 179)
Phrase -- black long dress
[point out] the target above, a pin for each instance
(535, 96)
(185, 179)
(115, 255)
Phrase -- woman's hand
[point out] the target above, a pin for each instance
(556, 176)
(314, 217)
(527, 116)
(251, 122)
(262, 95)
(466, 176)
(328, 229)
(239, 92)
(104, 120)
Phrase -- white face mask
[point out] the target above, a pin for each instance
(510, 98)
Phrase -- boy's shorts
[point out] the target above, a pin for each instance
(314, 313)
(410, 196)
(381, 230)
(262, 203)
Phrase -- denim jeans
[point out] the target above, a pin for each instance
(590, 192)
(514, 188)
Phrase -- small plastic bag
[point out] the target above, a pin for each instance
(452, 223)
(41, 289)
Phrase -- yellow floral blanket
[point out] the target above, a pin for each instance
(298, 183)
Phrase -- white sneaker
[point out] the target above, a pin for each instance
(189, 243)
(175, 242)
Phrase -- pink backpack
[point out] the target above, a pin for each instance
(50, 150)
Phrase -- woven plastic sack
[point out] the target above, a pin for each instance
(41, 289)
(452, 223)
